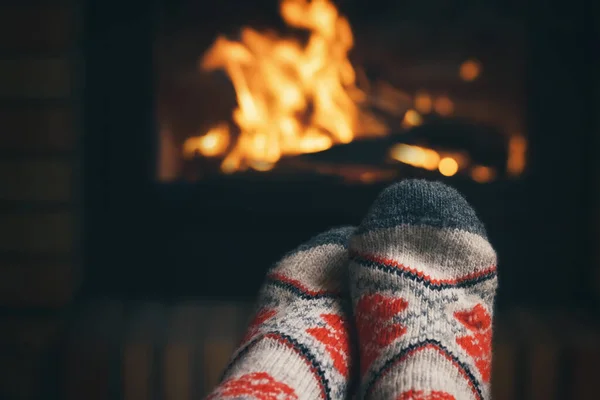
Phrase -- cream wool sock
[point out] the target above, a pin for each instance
(423, 282)
(298, 345)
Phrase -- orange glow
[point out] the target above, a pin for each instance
(301, 96)
(411, 155)
(412, 118)
(446, 163)
(213, 143)
(470, 70)
(482, 174)
(419, 157)
(292, 98)
(423, 102)
(448, 166)
(261, 166)
(368, 177)
(443, 106)
(432, 159)
(517, 153)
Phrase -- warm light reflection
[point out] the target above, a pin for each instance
(448, 166)
(517, 153)
(422, 157)
(368, 177)
(470, 70)
(443, 106)
(407, 154)
(432, 159)
(412, 118)
(482, 174)
(416, 156)
(292, 97)
(423, 102)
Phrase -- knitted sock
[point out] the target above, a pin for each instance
(298, 345)
(423, 282)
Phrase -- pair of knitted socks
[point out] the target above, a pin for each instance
(399, 308)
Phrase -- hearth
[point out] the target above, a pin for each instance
(222, 135)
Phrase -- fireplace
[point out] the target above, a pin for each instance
(221, 135)
(312, 94)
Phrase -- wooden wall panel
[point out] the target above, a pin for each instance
(26, 344)
(43, 232)
(37, 129)
(37, 284)
(37, 28)
(38, 78)
(38, 136)
(36, 180)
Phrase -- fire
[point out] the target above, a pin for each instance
(292, 97)
(415, 156)
(213, 143)
(448, 164)
(296, 97)
(412, 118)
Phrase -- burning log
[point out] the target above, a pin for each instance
(477, 149)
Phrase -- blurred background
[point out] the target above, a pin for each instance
(156, 157)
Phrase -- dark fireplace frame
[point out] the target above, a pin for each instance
(214, 239)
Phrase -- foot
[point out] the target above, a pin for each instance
(298, 345)
(423, 281)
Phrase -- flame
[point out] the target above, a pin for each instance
(296, 97)
(292, 97)
(213, 143)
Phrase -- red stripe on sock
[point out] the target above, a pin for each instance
(255, 385)
(451, 281)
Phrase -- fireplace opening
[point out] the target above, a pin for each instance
(309, 89)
